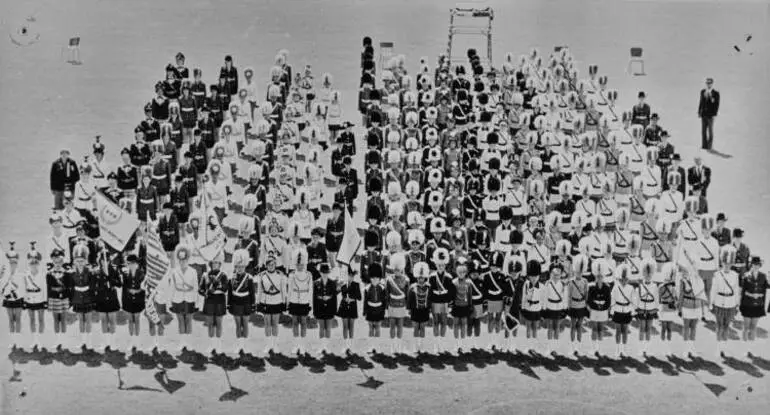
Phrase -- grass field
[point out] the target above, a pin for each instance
(46, 104)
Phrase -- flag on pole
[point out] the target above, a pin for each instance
(116, 226)
(157, 260)
(351, 241)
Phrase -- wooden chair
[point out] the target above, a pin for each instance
(636, 57)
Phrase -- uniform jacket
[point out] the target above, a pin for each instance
(708, 105)
(64, 175)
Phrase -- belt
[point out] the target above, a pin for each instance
(623, 304)
(238, 294)
(273, 294)
(577, 300)
(533, 302)
(686, 297)
(648, 301)
(397, 297)
(81, 288)
(371, 304)
(554, 301)
(336, 233)
(35, 290)
(180, 204)
(725, 295)
(147, 201)
(188, 109)
(84, 199)
(159, 177)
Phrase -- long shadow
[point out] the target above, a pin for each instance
(742, 366)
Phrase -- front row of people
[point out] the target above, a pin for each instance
(503, 293)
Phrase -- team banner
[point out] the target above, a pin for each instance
(116, 226)
(351, 241)
(157, 260)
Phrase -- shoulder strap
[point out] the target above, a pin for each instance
(553, 288)
(581, 292)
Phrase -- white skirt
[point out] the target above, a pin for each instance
(692, 313)
(668, 315)
(599, 316)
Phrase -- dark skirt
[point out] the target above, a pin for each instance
(724, 314)
(213, 308)
(272, 308)
(108, 303)
(752, 312)
(576, 313)
(553, 314)
(58, 305)
(18, 303)
(241, 309)
(375, 314)
(37, 306)
(530, 315)
(83, 308)
(299, 310)
(133, 303)
(420, 315)
(348, 310)
(324, 310)
(621, 318)
(647, 315)
(461, 312)
(184, 307)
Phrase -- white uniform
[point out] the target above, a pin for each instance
(58, 242)
(34, 288)
(184, 285)
(724, 290)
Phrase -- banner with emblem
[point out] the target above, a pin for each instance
(116, 226)
(351, 241)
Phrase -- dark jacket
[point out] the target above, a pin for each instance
(64, 175)
(708, 106)
(703, 179)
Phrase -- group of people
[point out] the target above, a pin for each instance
(512, 196)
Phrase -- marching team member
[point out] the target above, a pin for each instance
(477, 270)
(213, 288)
(350, 291)
(532, 295)
(418, 302)
(12, 290)
(374, 301)
(271, 293)
(555, 307)
(754, 288)
(106, 285)
(708, 254)
(396, 287)
(299, 296)
(692, 296)
(241, 297)
(577, 292)
(59, 286)
(668, 298)
(324, 304)
(133, 294)
(440, 283)
(460, 292)
(492, 285)
(183, 288)
(622, 307)
(83, 280)
(647, 303)
(598, 301)
(724, 296)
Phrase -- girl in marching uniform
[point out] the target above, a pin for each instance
(212, 288)
(598, 301)
(723, 297)
(241, 297)
(324, 305)
(133, 293)
(374, 301)
(58, 281)
(556, 301)
(492, 286)
(692, 296)
(622, 307)
(418, 302)
(532, 296)
(647, 303)
(83, 285)
(672, 199)
(350, 292)
(754, 286)
(460, 302)
(12, 290)
(708, 257)
(299, 295)
(303, 217)
(85, 191)
(396, 287)
(440, 283)
(577, 291)
(477, 271)
(105, 290)
(58, 240)
(668, 299)
(184, 281)
(271, 299)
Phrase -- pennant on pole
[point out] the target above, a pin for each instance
(351, 241)
(116, 226)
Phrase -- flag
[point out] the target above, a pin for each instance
(213, 245)
(351, 241)
(116, 226)
(157, 260)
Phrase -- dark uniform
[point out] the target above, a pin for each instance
(133, 298)
(335, 229)
(82, 289)
(181, 202)
(324, 309)
(168, 230)
(241, 295)
(105, 290)
(368, 258)
(351, 294)
(213, 287)
(161, 177)
(231, 79)
(128, 178)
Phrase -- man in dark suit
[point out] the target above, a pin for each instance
(699, 175)
(708, 107)
(675, 166)
(64, 175)
(721, 233)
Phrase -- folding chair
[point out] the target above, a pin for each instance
(73, 51)
(636, 57)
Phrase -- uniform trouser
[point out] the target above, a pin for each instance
(58, 199)
(707, 132)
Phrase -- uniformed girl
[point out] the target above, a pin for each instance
(622, 307)
(12, 290)
(754, 287)
(396, 287)
(647, 303)
(440, 283)
(374, 301)
(598, 301)
(476, 280)
(106, 284)
(493, 293)
(299, 296)
(85, 191)
(669, 299)
(724, 296)
(461, 302)
(183, 288)
(555, 307)
(512, 289)
(418, 302)
(532, 295)
(189, 113)
(213, 288)
(692, 296)
(147, 201)
(59, 287)
(271, 299)
(82, 287)
(324, 304)
(577, 292)
(133, 294)
(241, 297)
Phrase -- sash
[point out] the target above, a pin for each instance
(605, 210)
(569, 163)
(595, 182)
(296, 285)
(518, 203)
(612, 159)
(540, 254)
(555, 291)
(30, 282)
(634, 268)
(648, 233)
(638, 155)
(659, 253)
(238, 291)
(400, 294)
(695, 234)
(585, 209)
(666, 295)
(475, 290)
(497, 289)
(530, 291)
(622, 180)
(647, 296)
(213, 281)
(273, 289)
(100, 173)
(730, 287)
(91, 195)
(628, 302)
(577, 288)
(58, 245)
(652, 176)
(673, 202)
(711, 254)
(72, 224)
(620, 240)
(636, 207)
(185, 286)
(442, 290)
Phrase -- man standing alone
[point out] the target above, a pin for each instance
(707, 111)
(64, 175)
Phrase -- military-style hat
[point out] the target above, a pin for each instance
(375, 271)
(80, 251)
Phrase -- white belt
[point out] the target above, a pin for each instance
(238, 294)
(147, 201)
(397, 297)
(81, 289)
(371, 304)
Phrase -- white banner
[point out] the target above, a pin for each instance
(351, 241)
(116, 226)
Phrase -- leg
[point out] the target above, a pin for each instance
(703, 128)
(710, 132)
(303, 326)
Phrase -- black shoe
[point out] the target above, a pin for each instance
(597, 354)
(575, 353)
(107, 349)
(723, 355)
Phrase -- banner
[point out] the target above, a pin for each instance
(351, 241)
(157, 262)
(116, 226)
